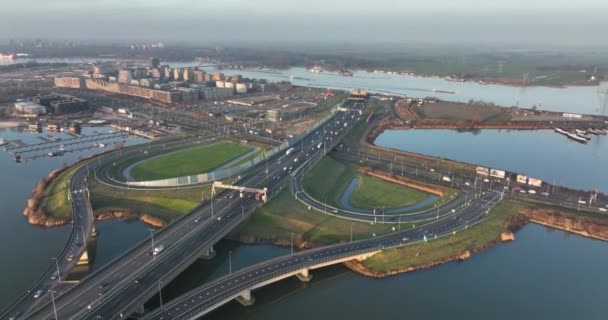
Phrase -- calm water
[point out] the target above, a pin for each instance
(543, 274)
(542, 154)
(27, 249)
(571, 99)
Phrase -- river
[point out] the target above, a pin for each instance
(543, 274)
(578, 99)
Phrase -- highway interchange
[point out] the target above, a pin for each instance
(122, 287)
(125, 284)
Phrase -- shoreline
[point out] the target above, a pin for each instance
(550, 219)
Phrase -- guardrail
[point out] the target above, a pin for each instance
(232, 171)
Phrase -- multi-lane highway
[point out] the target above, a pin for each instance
(124, 285)
(210, 296)
(82, 225)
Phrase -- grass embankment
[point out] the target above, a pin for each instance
(164, 204)
(473, 239)
(374, 193)
(330, 178)
(55, 201)
(275, 222)
(188, 162)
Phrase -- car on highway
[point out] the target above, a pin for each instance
(198, 219)
(486, 180)
(468, 184)
(158, 249)
(219, 218)
(70, 257)
(603, 209)
(404, 239)
(15, 316)
(38, 293)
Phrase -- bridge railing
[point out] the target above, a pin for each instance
(252, 283)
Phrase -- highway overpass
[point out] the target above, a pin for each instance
(240, 284)
(124, 285)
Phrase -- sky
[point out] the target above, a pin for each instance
(557, 22)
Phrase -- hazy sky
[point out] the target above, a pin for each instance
(433, 21)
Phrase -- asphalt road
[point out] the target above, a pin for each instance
(82, 225)
(124, 285)
(211, 295)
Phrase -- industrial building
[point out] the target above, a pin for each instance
(125, 76)
(69, 82)
(60, 104)
(31, 108)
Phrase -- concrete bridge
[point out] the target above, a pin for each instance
(239, 285)
(125, 284)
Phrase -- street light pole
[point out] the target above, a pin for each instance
(292, 243)
(211, 204)
(351, 232)
(152, 241)
(54, 306)
(230, 262)
(160, 294)
(58, 273)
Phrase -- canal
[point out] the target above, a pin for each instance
(543, 154)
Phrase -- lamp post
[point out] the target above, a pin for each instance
(160, 294)
(152, 242)
(230, 262)
(54, 306)
(58, 273)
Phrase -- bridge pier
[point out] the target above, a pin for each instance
(245, 298)
(84, 258)
(304, 275)
(208, 254)
(140, 310)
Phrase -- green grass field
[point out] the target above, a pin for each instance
(373, 193)
(55, 201)
(330, 178)
(164, 204)
(284, 215)
(471, 239)
(188, 162)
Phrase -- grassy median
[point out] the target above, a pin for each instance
(284, 215)
(55, 200)
(188, 162)
(373, 193)
(329, 179)
(164, 204)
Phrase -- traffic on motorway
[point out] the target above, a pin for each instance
(134, 277)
